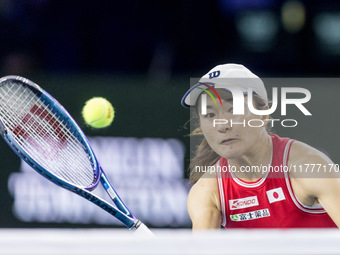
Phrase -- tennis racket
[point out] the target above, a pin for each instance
(41, 132)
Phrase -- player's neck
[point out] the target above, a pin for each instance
(249, 166)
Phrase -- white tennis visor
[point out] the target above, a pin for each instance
(228, 77)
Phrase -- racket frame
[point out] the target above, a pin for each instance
(119, 209)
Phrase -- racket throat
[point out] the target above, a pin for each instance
(113, 195)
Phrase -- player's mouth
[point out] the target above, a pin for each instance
(228, 141)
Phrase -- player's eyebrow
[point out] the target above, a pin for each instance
(228, 100)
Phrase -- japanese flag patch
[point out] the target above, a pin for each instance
(275, 195)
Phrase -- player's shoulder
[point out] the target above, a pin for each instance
(301, 152)
(205, 188)
(207, 182)
(305, 159)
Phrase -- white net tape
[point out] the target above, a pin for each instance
(123, 241)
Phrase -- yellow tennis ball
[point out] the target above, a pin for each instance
(98, 112)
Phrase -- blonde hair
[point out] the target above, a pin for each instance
(205, 156)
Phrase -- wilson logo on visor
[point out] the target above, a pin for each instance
(214, 74)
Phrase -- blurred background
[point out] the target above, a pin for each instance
(140, 55)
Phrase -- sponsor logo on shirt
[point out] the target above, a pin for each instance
(250, 215)
(275, 195)
(243, 203)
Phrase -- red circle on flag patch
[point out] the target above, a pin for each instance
(275, 195)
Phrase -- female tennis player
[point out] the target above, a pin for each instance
(246, 177)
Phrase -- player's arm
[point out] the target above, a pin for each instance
(203, 204)
(321, 184)
(328, 193)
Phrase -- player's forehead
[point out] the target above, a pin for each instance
(225, 94)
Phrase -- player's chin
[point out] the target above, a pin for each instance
(229, 152)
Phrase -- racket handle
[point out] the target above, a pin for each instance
(142, 230)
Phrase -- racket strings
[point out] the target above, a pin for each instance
(57, 144)
(41, 130)
(44, 135)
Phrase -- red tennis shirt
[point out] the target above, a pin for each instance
(268, 202)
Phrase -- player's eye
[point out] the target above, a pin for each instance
(209, 115)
